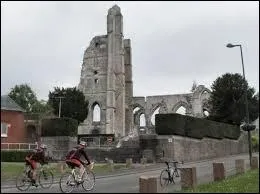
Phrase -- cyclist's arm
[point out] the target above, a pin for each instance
(85, 155)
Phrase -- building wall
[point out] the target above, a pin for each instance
(192, 102)
(16, 132)
(108, 59)
(189, 149)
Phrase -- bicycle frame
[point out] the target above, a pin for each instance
(74, 174)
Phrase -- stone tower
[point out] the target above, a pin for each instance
(106, 80)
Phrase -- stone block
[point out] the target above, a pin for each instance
(143, 160)
(188, 177)
(143, 185)
(240, 166)
(218, 171)
(149, 184)
(129, 162)
(110, 163)
(254, 164)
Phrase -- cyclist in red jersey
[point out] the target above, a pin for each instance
(38, 155)
(73, 157)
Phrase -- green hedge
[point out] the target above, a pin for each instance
(59, 127)
(13, 156)
(176, 124)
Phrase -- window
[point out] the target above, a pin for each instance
(181, 110)
(153, 116)
(142, 120)
(96, 113)
(96, 81)
(4, 129)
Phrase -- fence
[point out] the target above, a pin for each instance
(18, 146)
(97, 142)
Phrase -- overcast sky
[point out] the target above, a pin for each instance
(173, 43)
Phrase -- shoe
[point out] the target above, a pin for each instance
(35, 184)
(72, 184)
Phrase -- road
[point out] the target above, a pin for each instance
(129, 183)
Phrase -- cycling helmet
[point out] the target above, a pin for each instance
(43, 146)
(83, 143)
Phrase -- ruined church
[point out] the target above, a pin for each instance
(106, 81)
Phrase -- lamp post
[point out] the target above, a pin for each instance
(60, 97)
(246, 127)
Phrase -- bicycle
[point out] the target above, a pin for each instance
(71, 179)
(44, 174)
(167, 175)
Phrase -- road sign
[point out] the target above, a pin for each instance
(109, 139)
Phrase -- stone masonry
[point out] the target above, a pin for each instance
(106, 81)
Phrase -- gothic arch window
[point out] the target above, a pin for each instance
(142, 120)
(96, 112)
(181, 110)
(205, 112)
(153, 115)
(136, 109)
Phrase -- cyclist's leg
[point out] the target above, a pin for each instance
(81, 171)
(33, 166)
(77, 164)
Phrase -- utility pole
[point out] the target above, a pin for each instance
(60, 97)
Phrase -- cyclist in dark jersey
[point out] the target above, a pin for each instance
(73, 157)
(38, 155)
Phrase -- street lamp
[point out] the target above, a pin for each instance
(60, 97)
(245, 127)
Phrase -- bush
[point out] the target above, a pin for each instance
(176, 124)
(13, 156)
(59, 127)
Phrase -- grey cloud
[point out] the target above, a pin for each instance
(173, 43)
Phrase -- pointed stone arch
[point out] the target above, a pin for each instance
(182, 104)
(96, 112)
(204, 94)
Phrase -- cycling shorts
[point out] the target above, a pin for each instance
(31, 162)
(73, 162)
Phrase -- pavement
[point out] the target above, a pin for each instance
(137, 168)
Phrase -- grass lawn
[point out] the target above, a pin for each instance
(9, 170)
(244, 183)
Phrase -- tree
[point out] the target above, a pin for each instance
(194, 86)
(24, 96)
(227, 100)
(41, 107)
(73, 105)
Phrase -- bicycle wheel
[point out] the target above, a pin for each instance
(164, 178)
(88, 180)
(67, 182)
(23, 182)
(46, 179)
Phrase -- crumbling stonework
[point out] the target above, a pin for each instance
(106, 81)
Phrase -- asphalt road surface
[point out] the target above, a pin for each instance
(130, 183)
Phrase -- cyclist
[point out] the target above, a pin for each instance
(73, 158)
(38, 155)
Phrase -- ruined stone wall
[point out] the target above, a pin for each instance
(93, 83)
(190, 149)
(128, 86)
(106, 63)
(192, 102)
(115, 118)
